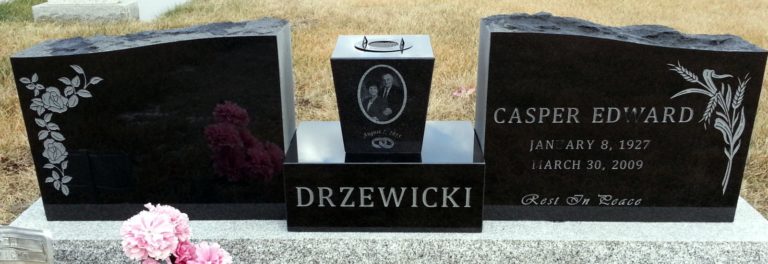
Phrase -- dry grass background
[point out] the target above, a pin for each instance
(452, 25)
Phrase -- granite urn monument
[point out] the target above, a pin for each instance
(383, 167)
(196, 117)
(382, 90)
(581, 121)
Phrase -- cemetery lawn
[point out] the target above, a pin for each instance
(18, 10)
(453, 26)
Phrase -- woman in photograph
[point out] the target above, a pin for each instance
(375, 106)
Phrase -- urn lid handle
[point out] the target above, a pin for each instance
(383, 44)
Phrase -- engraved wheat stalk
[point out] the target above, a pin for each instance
(730, 120)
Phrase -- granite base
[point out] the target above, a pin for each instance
(251, 241)
(442, 192)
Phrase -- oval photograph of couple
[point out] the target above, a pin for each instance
(382, 94)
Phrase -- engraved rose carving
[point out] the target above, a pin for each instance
(54, 101)
(45, 105)
(54, 151)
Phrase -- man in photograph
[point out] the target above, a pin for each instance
(392, 94)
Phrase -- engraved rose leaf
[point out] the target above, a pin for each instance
(66, 179)
(65, 190)
(57, 136)
(25, 80)
(55, 175)
(65, 81)
(84, 94)
(34, 78)
(40, 122)
(42, 134)
(69, 91)
(73, 100)
(76, 81)
(96, 80)
(64, 165)
(47, 117)
(37, 106)
(49, 166)
(52, 126)
(77, 69)
(49, 180)
(57, 185)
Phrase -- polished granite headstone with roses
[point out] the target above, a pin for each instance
(196, 117)
(581, 121)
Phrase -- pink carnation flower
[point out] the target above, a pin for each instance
(184, 253)
(210, 254)
(148, 235)
(154, 261)
(230, 112)
(180, 220)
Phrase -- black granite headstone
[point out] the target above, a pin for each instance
(581, 121)
(382, 89)
(442, 192)
(195, 117)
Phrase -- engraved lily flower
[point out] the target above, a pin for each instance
(54, 101)
(54, 151)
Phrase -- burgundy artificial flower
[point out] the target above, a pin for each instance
(248, 139)
(222, 135)
(277, 156)
(229, 112)
(260, 163)
(237, 154)
(227, 146)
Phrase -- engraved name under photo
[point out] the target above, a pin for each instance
(382, 94)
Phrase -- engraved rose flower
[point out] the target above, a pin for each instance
(54, 101)
(54, 151)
